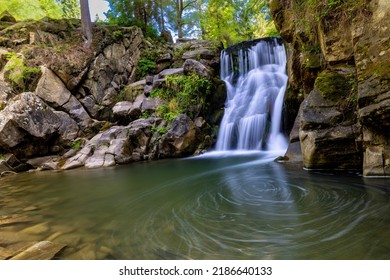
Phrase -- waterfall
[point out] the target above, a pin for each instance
(255, 77)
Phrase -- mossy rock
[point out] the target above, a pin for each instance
(333, 86)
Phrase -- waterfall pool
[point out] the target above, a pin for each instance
(218, 206)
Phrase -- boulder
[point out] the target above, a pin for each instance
(193, 66)
(51, 89)
(328, 140)
(199, 54)
(117, 145)
(27, 125)
(182, 139)
(5, 167)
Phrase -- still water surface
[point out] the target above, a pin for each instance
(214, 207)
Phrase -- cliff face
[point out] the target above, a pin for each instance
(339, 62)
(126, 99)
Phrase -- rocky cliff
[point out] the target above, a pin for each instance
(339, 65)
(126, 99)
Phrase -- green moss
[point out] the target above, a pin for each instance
(333, 86)
(381, 70)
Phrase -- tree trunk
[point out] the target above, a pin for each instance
(86, 24)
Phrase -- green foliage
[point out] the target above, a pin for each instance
(32, 9)
(118, 34)
(2, 157)
(70, 8)
(145, 66)
(182, 94)
(76, 145)
(18, 72)
(234, 21)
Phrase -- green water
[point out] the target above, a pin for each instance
(221, 207)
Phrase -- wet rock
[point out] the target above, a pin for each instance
(5, 167)
(14, 249)
(39, 162)
(328, 140)
(14, 220)
(37, 229)
(44, 250)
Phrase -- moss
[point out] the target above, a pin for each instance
(332, 85)
(381, 70)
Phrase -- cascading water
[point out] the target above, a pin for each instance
(255, 76)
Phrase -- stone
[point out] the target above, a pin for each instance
(37, 229)
(169, 72)
(43, 250)
(27, 124)
(198, 54)
(38, 162)
(193, 66)
(4, 166)
(328, 141)
(51, 89)
(14, 220)
(182, 139)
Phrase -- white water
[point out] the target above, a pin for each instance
(256, 81)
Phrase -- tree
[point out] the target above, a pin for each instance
(70, 8)
(86, 24)
(32, 9)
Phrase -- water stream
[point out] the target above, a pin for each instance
(256, 80)
(219, 206)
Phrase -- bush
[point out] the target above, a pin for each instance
(145, 66)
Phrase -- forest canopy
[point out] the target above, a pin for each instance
(229, 21)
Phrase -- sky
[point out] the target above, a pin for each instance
(98, 7)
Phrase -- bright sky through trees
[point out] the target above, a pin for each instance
(98, 7)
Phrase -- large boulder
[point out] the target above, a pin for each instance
(118, 145)
(329, 139)
(183, 139)
(28, 126)
(52, 90)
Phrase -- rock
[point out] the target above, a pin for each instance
(182, 139)
(117, 145)
(14, 220)
(328, 141)
(44, 250)
(68, 129)
(193, 66)
(4, 166)
(357, 64)
(39, 162)
(51, 89)
(37, 229)
(167, 36)
(169, 72)
(27, 124)
(125, 111)
(198, 54)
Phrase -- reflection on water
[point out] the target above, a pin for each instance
(214, 207)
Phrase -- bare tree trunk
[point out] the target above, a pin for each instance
(86, 24)
(179, 11)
